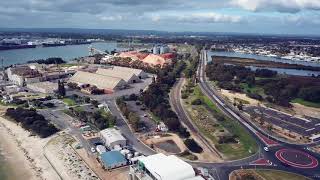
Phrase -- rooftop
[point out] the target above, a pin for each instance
(167, 167)
(112, 158)
(101, 81)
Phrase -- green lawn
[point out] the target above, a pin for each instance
(306, 103)
(69, 102)
(279, 175)
(231, 151)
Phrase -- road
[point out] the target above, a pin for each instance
(229, 111)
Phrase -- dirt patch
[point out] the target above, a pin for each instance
(160, 143)
(169, 146)
(231, 96)
(302, 110)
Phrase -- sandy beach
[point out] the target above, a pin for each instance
(24, 153)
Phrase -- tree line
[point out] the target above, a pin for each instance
(277, 89)
(156, 97)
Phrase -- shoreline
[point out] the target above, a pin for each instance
(24, 154)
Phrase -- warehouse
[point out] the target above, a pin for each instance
(138, 72)
(112, 159)
(128, 76)
(112, 137)
(106, 83)
(162, 167)
(44, 87)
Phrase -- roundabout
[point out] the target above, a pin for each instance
(295, 158)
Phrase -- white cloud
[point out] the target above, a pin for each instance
(111, 18)
(198, 18)
(277, 5)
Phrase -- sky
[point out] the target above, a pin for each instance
(243, 16)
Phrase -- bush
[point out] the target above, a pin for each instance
(196, 102)
(184, 96)
(193, 146)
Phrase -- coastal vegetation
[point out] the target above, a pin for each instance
(31, 121)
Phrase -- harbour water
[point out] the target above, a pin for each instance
(265, 58)
(69, 52)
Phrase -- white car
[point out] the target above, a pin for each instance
(266, 149)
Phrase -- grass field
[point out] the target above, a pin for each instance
(279, 175)
(231, 151)
(266, 174)
(306, 103)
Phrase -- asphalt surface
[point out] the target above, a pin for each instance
(305, 127)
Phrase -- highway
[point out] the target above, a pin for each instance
(229, 111)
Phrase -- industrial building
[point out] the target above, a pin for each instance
(138, 72)
(22, 75)
(162, 167)
(112, 137)
(43, 87)
(112, 159)
(128, 76)
(160, 49)
(106, 83)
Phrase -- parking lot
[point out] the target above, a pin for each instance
(302, 126)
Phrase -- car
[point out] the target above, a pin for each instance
(145, 115)
(266, 149)
(93, 150)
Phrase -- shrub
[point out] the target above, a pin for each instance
(193, 146)
(196, 102)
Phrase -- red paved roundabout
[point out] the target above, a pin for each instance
(296, 158)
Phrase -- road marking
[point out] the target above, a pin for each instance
(310, 129)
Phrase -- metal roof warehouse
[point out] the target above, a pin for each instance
(98, 80)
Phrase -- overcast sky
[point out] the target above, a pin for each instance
(251, 16)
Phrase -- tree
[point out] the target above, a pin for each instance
(134, 120)
(95, 103)
(193, 146)
(61, 89)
